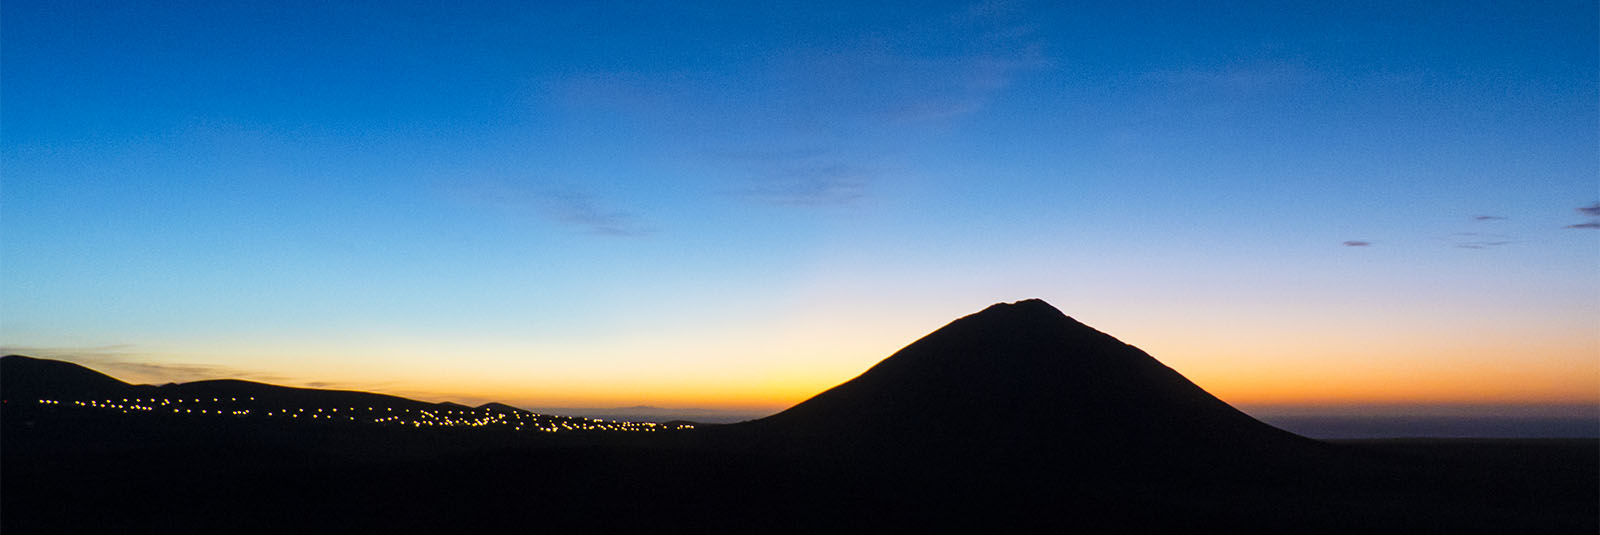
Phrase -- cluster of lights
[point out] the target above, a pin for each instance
(148, 405)
(383, 416)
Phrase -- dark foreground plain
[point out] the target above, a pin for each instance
(1013, 419)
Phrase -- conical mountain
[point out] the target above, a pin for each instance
(1022, 380)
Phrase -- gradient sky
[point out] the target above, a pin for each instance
(739, 205)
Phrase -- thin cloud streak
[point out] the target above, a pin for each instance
(569, 207)
(1357, 243)
(833, 184)
(1483, 244)
(811, 178)
(1592, 210)
(583, 211)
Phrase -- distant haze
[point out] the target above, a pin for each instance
(656, 414)
(1434, 421)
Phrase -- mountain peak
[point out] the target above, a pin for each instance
(1025, 310)
(1025, 371)
(1030, 304)
(1027, 307)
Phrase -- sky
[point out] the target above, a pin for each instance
(734, 206)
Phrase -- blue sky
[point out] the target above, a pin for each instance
(761, 201)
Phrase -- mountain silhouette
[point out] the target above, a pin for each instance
(27, 380)
(1022, 381)
(30, 378)
(497, 406)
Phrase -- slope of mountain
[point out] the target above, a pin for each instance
(1023, 380)
(30, 378)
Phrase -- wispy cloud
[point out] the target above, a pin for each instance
(812, 185)
(1357, 243)
(582, 210)
(1483, 244)
(1480, 240)
(568, 206)
(797, 177)
(1592, 210)
(1487, 218)
(943, 89)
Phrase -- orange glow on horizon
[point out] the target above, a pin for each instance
(1291, 357)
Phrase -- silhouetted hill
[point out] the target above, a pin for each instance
(288, 395)
(71, 398)
(1023, 381)
(500, 407)
(30, 378)
(495, 405)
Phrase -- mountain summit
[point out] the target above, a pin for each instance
(1022, 380)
